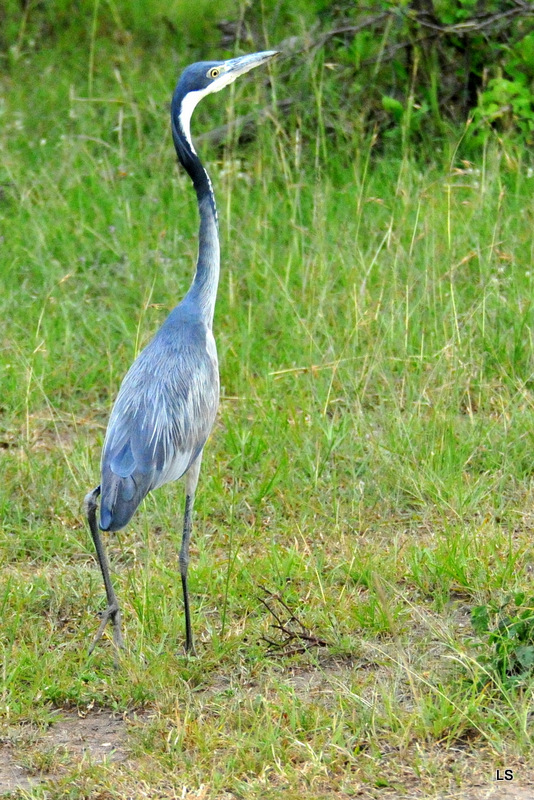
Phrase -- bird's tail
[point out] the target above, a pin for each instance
(120, 499)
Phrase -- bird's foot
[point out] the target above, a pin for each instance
(190, 650)
(112, 613)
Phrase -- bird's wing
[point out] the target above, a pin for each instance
(159, 424)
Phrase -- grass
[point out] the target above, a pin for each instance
(371, 465)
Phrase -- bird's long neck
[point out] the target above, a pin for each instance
(203, 290)
(206, 280)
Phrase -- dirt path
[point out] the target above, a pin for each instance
(28, 757)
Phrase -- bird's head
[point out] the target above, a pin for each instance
(207, 77)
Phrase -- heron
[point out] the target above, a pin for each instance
(168, 399)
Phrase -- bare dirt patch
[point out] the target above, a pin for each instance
(12, 775)
(28, 756)
(99, 735)
(502, 792)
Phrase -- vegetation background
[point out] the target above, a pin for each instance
(362, 563)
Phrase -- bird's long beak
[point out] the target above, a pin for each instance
(239, 66)
(234, 67)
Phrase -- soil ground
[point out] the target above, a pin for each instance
(102, 736)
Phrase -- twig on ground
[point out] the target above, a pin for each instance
(295, 635)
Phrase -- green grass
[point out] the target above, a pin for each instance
(371, 464)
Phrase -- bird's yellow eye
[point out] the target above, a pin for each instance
(213, 72)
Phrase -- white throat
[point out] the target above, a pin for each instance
(192, 99)
(189, 103)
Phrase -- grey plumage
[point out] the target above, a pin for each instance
(150, 439)
(168, 400)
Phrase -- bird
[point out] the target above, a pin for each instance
(167, 402)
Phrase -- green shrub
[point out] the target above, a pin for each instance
(508, 633)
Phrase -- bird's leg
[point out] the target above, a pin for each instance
(112, 612)
(190, 488)
(184, 563)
